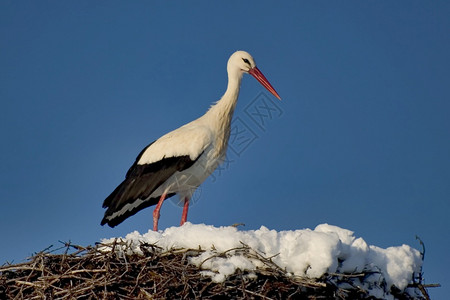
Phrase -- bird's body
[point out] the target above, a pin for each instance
(179, 161)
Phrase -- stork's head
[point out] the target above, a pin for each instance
(242, 62)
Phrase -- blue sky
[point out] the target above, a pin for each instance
(360, 140)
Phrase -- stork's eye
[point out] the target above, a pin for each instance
(246, 61)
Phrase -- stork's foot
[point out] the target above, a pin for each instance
(156, 213)
(155, 220)
(185, 211)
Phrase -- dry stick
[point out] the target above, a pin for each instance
(138, 277)
(424, 292)
(221, 254)
(257, 294)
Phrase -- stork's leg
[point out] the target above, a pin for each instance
(156, 213)
(185, 211)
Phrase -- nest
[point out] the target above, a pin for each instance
(115, 271)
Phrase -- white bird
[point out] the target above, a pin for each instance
(179, 161)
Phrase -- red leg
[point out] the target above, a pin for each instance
(185, 211)
(156, 213)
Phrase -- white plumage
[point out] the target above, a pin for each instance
(190, 139)
(179, 161)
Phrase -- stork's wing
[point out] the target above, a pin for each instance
(145, 175)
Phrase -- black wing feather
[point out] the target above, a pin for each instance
(140, 182)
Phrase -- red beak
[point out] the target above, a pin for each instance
(255, 72)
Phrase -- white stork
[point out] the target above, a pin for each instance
(179, 161)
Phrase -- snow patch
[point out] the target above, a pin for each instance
(306, 252)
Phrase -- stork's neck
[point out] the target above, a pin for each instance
(222, 112)
(219, 115)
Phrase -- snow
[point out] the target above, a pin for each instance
(306, 252)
